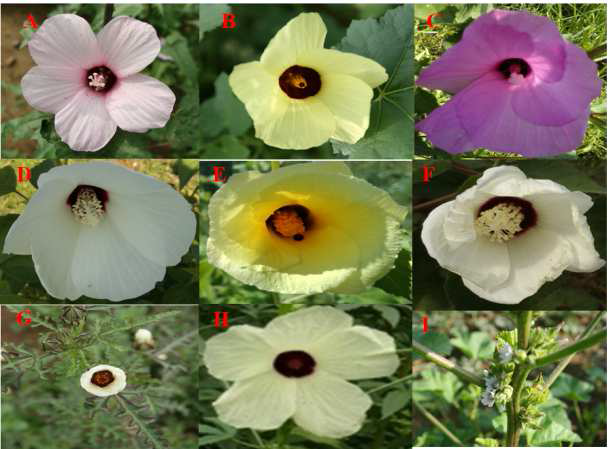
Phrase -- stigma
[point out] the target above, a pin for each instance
(500, 223)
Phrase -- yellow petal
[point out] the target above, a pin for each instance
(305, 32)
(254, 86)
(333, 61)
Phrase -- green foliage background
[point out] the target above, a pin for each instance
(216, 286)
(177, 27)
(388, 422)
(44, 406)
(575, 414)
(581, 24)
(377, 31)
(19, 282)
(435, 288)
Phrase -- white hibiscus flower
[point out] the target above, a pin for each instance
(101, 230)
(103, 380)
(509, 234)
(298, 367)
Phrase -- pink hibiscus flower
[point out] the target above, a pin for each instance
(91, 82)
(520, 88)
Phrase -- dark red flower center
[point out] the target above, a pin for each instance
(102, 378)
(101, 195)
(291, 221)
(512, 66)
(100, 79)
(300, 82)
(294, 364)
(509, 215)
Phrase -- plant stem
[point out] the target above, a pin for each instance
(394, 382)
(435, 201)
(441, 361)
(558, 369)
(438, 424)
(141, 425)
(524, 321)
(570, 350)
(257, 438)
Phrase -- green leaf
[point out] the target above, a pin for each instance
(177, 46)
(184, 172)
(388, 41)
(394, 401)
(570, 174)
(211, 17)
(436, 382)
(551, 433)
(569, 387)
(476, 345)
(8, 180)
(128, 9)
(226, 147)
(435, 341)
(41, 168)
(219, 431)
(297, 431)
(389, 314)
(397, 281)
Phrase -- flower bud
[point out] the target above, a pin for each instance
(143, 339)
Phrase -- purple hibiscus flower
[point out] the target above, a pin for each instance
(519, 87)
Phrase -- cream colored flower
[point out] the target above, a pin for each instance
(103, 380)
(304, 228)
(300, 94)
(143, 339)
(298, 367)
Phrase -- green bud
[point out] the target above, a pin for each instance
(521, 355)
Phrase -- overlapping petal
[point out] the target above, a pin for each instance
(50, 89)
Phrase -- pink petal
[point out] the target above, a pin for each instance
(49, 89)
(84, 123)
(65, 40)
(140, 103)
(482, 116)
(129, 45)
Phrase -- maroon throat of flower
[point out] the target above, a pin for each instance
(514, 70)
(88, 204)
(100, 79)
(294, 364)
(290, 222)
(503, 218)
(102, 378)
(300, 82)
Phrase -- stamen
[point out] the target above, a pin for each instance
(97, 81)
(102, 378)
(291, 221)
(298, 80)
(500, 223)
(87, 209)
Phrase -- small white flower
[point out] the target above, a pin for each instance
(298, 367)
(505, 353)
(509, 234)
(143, 338)
(487, 398)
(491, 382)
(103, 380)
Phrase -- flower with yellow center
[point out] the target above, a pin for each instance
(304, 228)
(300, 94)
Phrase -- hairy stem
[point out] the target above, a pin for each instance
(571, 349)
(157, 444)
(441, 361)
(438, 424)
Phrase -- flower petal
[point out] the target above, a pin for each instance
(304, 32)
(329, 406)
(261, 402)
(358, 352)
(65, 40)
(563, 213)
(536, 257)
(327, 61)
(348, 99)
(255, 87)
(49, 89)
(140, 103)
(239, 353)
(128, 45)
(84, 123)
(107, 266)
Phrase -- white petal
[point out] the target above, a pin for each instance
(329, 406)
(239, 353)
(160, 224)
(49, 89)
(303, 328)
(294, 124)
(118, 384)
(327, 61)
(538, 256)
(261, 402)
(65, 40)
(358, 352)
(563, 213)
(128, 45)
(140, 103)
(481, 261)
(348, 99)
(255, 87)
(305, 32)
(84, 123)
(107, 266)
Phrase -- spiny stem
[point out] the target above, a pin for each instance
(141, 425)
(438, 424)
(441, 361)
